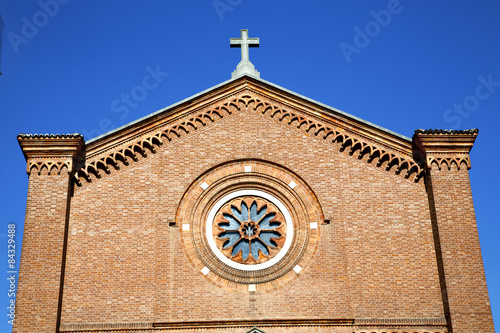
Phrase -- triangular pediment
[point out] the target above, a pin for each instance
(354, 136)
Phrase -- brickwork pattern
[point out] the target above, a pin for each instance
(125, 263)
(283, 329)
(462, 265)
(384, 154)
(339, 325)
(300, 200)
(395, 254)
(458, 254)
(42, 253)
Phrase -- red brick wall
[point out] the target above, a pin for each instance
(462, 265)
(42, 253)
(125, 264)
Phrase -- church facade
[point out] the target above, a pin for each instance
(250, 208)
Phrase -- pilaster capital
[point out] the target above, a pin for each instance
(55, 152)
(445, 147)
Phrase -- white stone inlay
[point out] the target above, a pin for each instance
(297, 269)
(292, 184)
(314, 225)
(248, 168)
(204, 186)
(185, 227)
(252, 287)
(205, 270)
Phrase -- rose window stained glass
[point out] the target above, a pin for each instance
(249, 230)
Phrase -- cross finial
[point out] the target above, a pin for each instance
(245, 66)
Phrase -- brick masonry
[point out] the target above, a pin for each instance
(465, 295)
(42, 265)
(375, 268)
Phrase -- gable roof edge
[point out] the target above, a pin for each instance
(327, 108)
(171, 106)
(335, 110)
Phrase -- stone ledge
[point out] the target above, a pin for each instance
(53, 152)
(382, 323)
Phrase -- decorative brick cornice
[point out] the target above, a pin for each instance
(396, 158)
(443, 148)
(362, 146)
(358, 325)
(53, 152)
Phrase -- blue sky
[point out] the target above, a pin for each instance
(408, 64)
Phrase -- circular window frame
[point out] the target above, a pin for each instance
(218, 182)
(258, 193)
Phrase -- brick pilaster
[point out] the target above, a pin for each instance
(50, 168)
(463, 283)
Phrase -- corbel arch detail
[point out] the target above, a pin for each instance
(354, 146)
(50, 166)
(448, 162)
(150, 142)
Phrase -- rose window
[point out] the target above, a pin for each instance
(249, 230)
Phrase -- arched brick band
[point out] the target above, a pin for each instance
(282, 184)
(99, 161)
